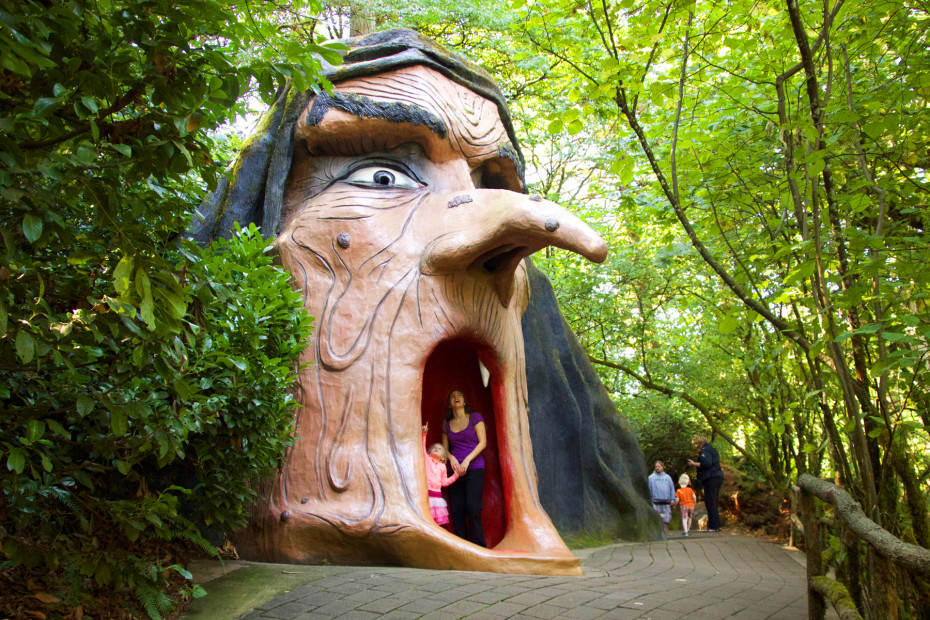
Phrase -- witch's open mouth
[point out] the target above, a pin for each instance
(460, 364)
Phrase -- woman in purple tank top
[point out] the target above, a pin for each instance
(464, 437)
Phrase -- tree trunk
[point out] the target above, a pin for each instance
(913, 495)
(361, 19)
(884, 586)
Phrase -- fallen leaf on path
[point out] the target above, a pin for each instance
(46, 598)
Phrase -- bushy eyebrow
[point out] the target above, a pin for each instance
(364, 107)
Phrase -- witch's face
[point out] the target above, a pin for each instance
(406, 228)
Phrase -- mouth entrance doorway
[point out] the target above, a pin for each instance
(453, 365)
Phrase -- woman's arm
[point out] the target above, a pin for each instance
(452, 459)
(482, 434)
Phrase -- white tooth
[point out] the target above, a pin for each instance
(485, 373)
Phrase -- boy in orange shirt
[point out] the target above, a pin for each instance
(686, 499)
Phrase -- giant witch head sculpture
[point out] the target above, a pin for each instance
(398, 206)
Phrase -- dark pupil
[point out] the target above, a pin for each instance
(383, 177)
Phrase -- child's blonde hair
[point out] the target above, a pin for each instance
(683, 480)
(442, 451)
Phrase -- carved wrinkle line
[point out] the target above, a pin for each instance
(415, 204)
(328, 358)
(336, 482)
(399, 467)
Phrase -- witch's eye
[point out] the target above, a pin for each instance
(379, 176)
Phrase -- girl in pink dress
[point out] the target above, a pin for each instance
(436, 478)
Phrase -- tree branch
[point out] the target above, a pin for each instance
(703, 409)
(905, 555)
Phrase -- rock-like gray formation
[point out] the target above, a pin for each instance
(591, 470)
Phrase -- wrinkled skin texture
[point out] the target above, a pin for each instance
(403, 236)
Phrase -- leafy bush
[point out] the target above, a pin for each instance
(143, 381)
(106, 447)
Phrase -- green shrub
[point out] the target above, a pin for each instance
(143, 381)
(112, 429)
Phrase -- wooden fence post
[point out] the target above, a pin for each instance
(815, 602)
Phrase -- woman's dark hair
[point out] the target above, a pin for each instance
(449, 412)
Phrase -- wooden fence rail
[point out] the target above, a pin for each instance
(911, 558)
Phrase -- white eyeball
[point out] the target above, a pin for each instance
(379, 176)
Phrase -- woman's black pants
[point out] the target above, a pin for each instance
(465, 506)
(711, 491)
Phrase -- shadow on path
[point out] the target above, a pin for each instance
(707, 575)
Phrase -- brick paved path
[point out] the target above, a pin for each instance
(705, 575)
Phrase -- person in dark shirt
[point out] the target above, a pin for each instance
(710, 476)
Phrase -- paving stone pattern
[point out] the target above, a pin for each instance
(706, 576)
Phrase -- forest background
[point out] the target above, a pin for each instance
(757, 168)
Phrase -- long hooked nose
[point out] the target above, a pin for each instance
(493, 230)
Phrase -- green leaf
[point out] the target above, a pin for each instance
(34, 430)
(85, 405)
(90, 104)
(894, 336)
(25, 346)
(147, 304)
(81, 256)
(56, 427)
(912, 425)
(32, 227)
(118, 423)
(728, 324)
(123, 467)
(16, 461)
(86, 155)
(121, 275)
(802, 272)
(177, 306)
